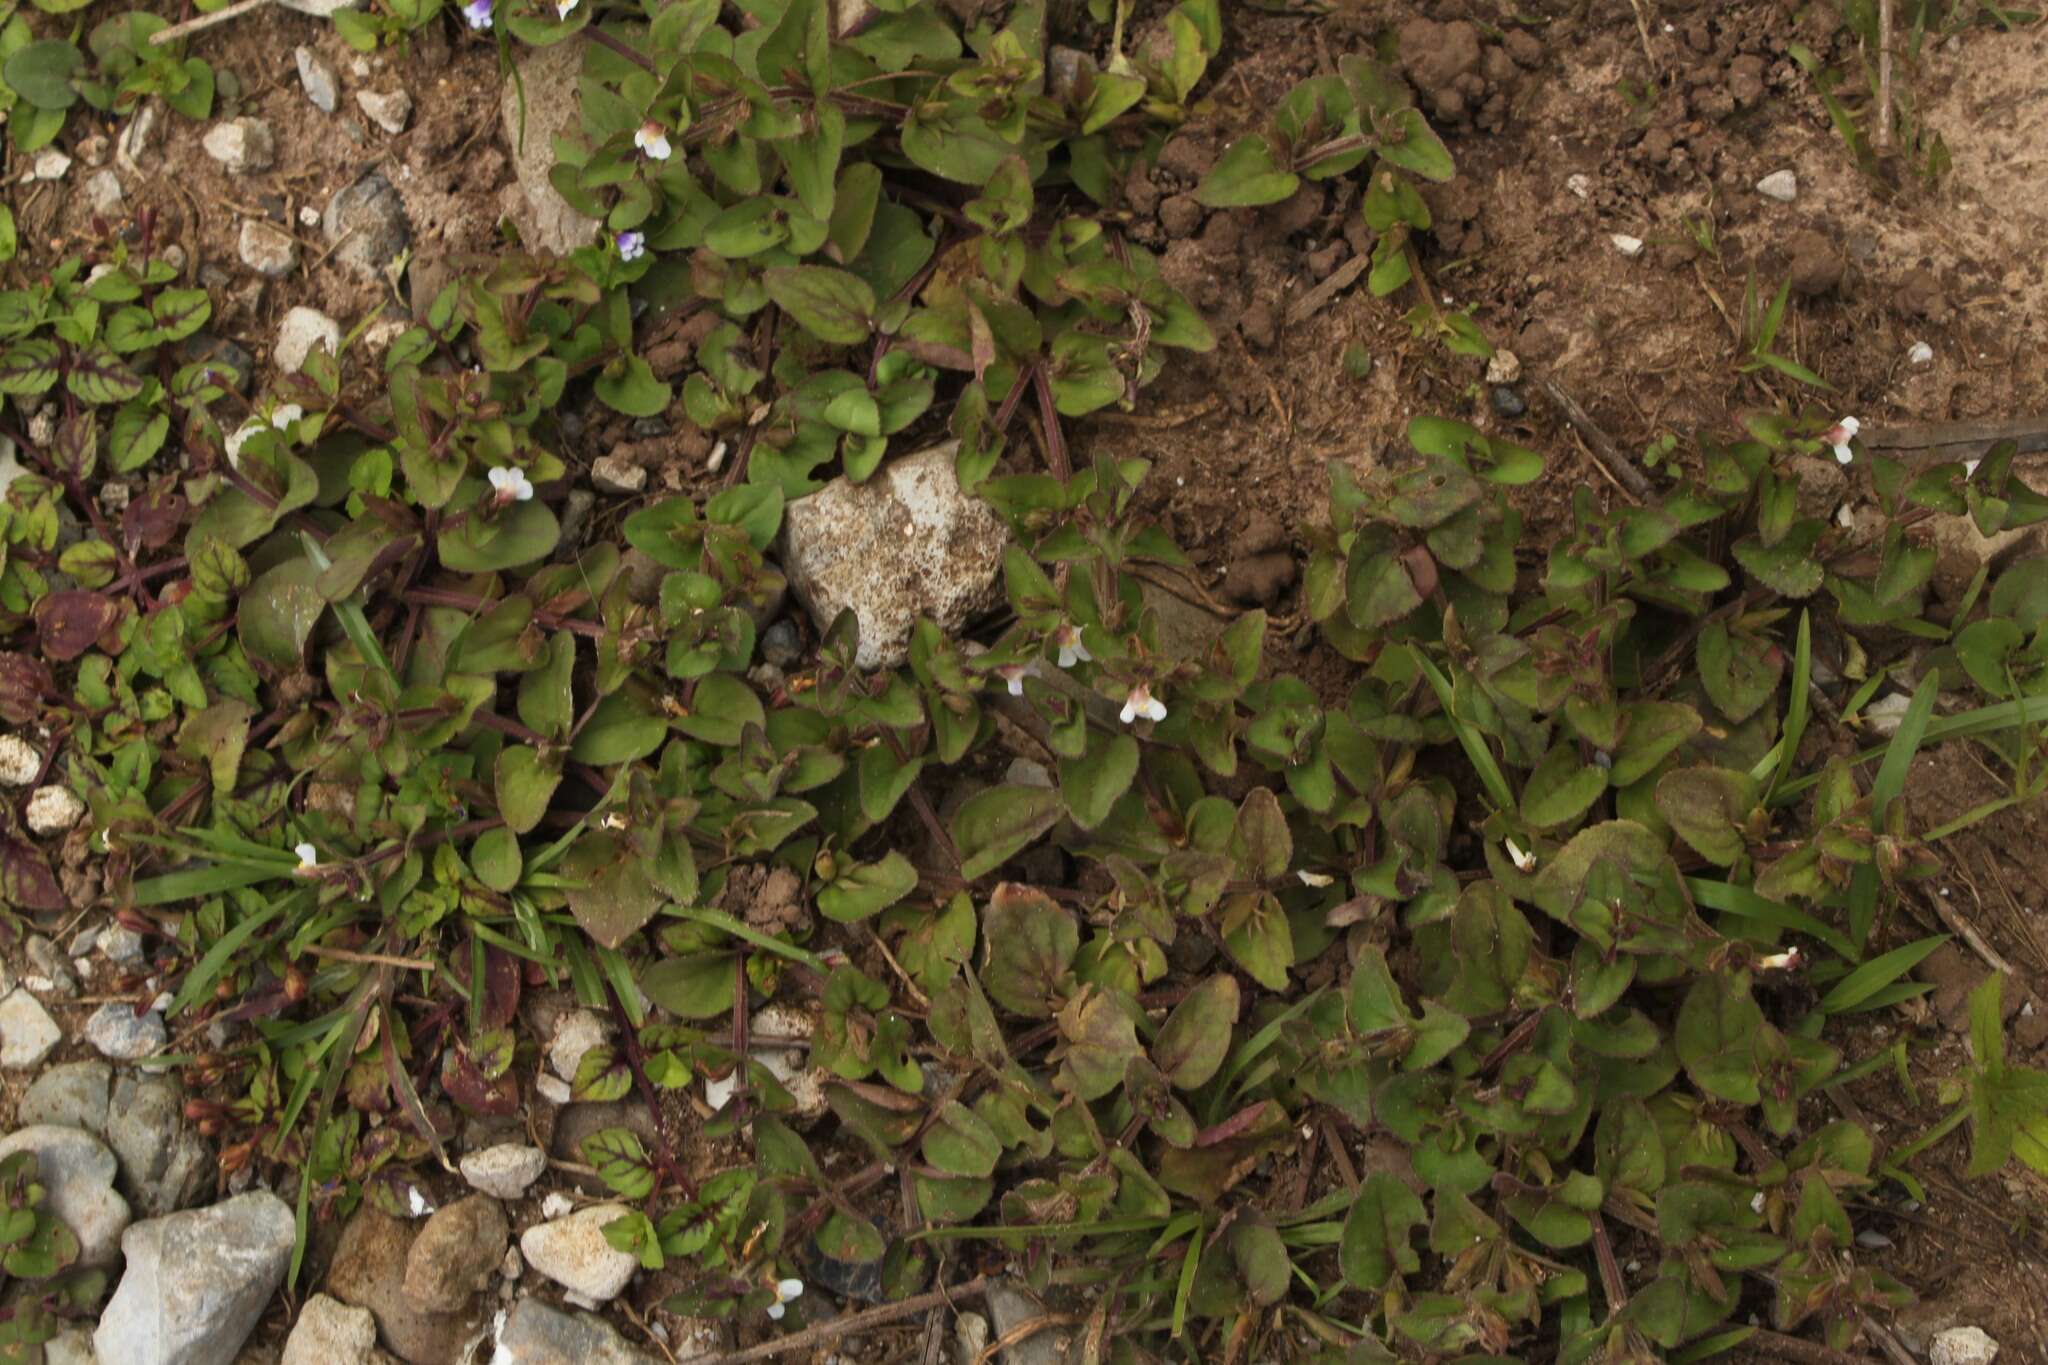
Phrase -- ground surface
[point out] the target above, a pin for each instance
(1578, 123)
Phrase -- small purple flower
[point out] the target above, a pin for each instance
(632, 246)
(478, 13)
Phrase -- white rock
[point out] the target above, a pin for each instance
(51, 164)
(788, 1065)
(53, 809)
(390, 111)
(268, 250)
(534, 110)
(78, 1171)
(610, 474)
(103, 192)
(302, 330)
(135, 136)
(121, 946)
(504, 1171)
(1628, 246)
(1919, 353)
(70, 1347)
(572, 1251)
(1782, 186)
(27, 1032)
(905, 544)
(281, 416)
(554, 1204)
(317, 79)
(1885, 715)
(330, 1332)
(320, 9)
(553, 1089)
(243, 145)
(1963, 1346)
(1504, 368)
(576, 1033)
(20, 762)
(118, 1033)
(1580, 184)
(196, 1282)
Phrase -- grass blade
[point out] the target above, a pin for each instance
(1473, 742)
(1747, 904)
(1873, 976)
(199, 981)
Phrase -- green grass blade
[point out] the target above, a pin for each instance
(199, 981)
(1473, 742)
(1747, 904)
(1891, 777)
(1874, 975)
(195, 883)
(1796, 709)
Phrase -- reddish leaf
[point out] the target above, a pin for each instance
(501, 988)
(152, 520)
(464, 1081)
(24, 682)
(69, 623)
(26, 882)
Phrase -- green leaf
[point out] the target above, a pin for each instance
(993, 826)
(1407, 141)
(1562, 788)
(1716, 1036)
(620, 730)
(610, 892)
(959, 1142)
(621, 1162)
(1376, 1245)
(495, 859)
(1859, 986)
(1740, 673)
(1262, 1261)
(1709, 808)
(1246, 176)
(1030, 942)
(694, 986)
(834, 306)
(40, 73)
(867, 889)
(1653, 729)
(277, 612)
(509, 538)
(524, 783)
(1092, 783)
(1195, 1038)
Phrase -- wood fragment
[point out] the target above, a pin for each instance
(1884, 77)
(201, 22)
(1338, 280)
(1602, 445)
(1938, 441)
(797, 1343)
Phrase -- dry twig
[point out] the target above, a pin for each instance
(1604, 450)
(201, 22)
(797, 1343)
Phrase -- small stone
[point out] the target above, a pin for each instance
(268, 250)
(20, 762)
(576, 1033)
(302, 330)
(572, 1251)
(1505, 367)
(53, 966)
(534, 110)
(556, 1204)
(610, 474)
(780, 645)
(27, 1032)
(72, 1346)
(330, 1332)
(1919, 354)
(1580, 184)
(51, 164)
(1628, 246)
(1507, 403)
(243, 145)
(78, 1171)
(389, 111)
(1782, 186)
(163, 1162)
(117, 1032)
(1963, 1346)
(197, 1282)
(553, 1089)
(456, 1254)
(1025, 772)
(53, 810)
(504, 1171)
(366, 226)
(536, 1334)
(317, 79)
(103, 192)
(121, 946)
(906, 544)
(70, 1096)
(369, 1271)
(320, 9)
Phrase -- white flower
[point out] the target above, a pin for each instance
(1779, 962)
(1524, 862)
(478, 13)
(309, 858)
(1970, 467)
(1013, 677)
(1068, 641)
(565, 8)
(785, 1290)
(1315, 879)
(1141, 702)
(1919, 353)
(1756, 1202)
(1839, 436)
(652, 139)
(512, 484)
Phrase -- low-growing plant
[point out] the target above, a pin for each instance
(42, 79)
